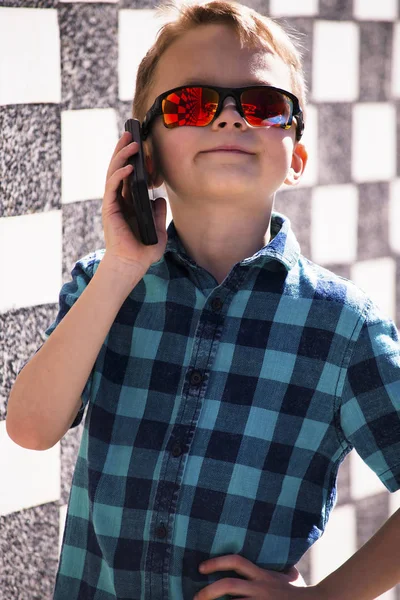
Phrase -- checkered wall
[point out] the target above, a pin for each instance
(67, 73)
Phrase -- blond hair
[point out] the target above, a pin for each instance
(254, 31)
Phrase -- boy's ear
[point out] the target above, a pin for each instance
(299, 161)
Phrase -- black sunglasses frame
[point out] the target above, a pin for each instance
(223, 92)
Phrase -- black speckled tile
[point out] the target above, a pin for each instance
(335, 10)
(30, 159)
(372, 512)
(123, 112)
(261, 6)
(29, 553)
(30, 3)
(373, 220)
(138, 3)
(82, 232)
(376, 40)
(89, 55)
(334, 143)
(343, 270)
(302, 28)
(21, 334)
(296, 204)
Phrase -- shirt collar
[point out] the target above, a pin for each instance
(283, 246)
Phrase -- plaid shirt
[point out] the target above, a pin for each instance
(217, 418)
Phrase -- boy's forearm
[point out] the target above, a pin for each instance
(46, 394)
(371, 571)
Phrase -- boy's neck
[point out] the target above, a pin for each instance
(217, 243)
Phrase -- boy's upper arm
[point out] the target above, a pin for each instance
(370, 410)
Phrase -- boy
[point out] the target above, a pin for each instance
(226, 376)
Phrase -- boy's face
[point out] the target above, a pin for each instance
(211, 54)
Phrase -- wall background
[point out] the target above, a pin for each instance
(67, 76)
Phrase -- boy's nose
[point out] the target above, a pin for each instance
(230, 100)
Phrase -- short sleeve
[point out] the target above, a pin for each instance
(370, 410)
(81, 275)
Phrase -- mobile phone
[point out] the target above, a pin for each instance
(137, 208)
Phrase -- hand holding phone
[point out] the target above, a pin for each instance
(123, 240)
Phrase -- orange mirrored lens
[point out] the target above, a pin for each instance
(190, 106)
(266, 107)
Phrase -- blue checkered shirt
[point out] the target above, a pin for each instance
(217, 417)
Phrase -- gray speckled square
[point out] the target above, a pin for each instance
(30, 159)
(335, 10)
(373, 220)
(339, 269)
(303, 32)
(372, 512)
(296, 204)
(376, 39)
(31, 3)
(82, 232)
(29, 553)
(261, 6)
(89, 55)
(334, 143)
(21, 334)
(139, 3)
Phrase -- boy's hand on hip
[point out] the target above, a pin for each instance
(261, 585)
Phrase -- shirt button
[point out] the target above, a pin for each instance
(216, 304)
(161, 531)
(196, 377)
(176, 450)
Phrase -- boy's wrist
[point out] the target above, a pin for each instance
(122, 277)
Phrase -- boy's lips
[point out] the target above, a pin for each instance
(229, 148)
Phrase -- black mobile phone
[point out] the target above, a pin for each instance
(137, 208)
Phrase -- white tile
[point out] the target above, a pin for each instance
(337, 544)
(88, 140)
(137, 30)
(389, 595)
(394, 502)
(63, 518)
(394, 215)
(363, 481)
(371, 10)
(30, 260)
(28, 477)
(29, 56)
(333, 237)
(368, 273)
(293, 8)
(396, 61)
(335, 61)
(374, 142)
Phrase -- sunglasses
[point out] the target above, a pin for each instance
(199, 105)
